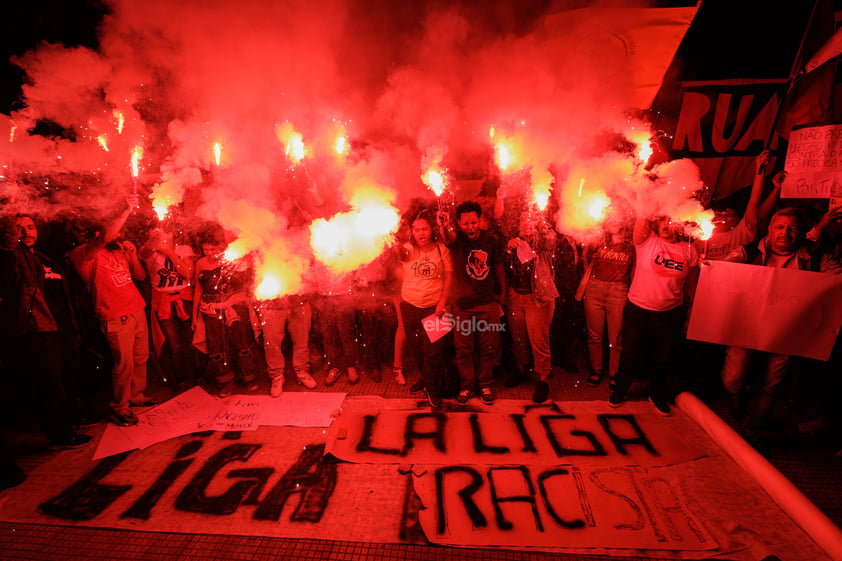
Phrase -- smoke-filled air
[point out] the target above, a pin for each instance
(305, 129)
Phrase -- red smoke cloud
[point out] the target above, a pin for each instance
(408, 86)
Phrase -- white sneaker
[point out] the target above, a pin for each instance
(277, 386)
(399, 378)
(306, 380)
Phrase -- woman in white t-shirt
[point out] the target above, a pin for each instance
(427, 273)
(664, 278)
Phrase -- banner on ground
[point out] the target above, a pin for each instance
(814, 163)
(540, 436)
(278, 481)
(781, 311)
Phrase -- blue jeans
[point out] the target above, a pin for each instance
(605, 301)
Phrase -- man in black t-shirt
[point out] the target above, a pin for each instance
(478, 274)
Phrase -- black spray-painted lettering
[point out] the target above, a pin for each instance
(412, 434)
(529, 498)
(560, 451)
(364, 444)
(479, 442)
(87, 498)
(465, 494)
(528, 445)
(542, 488)
(142, 508)
(620, 444)
(193, 497)
(309, 476)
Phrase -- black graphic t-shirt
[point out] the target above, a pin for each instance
(474, 281)
(54, 293)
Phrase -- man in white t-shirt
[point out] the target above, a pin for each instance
(732, 231)
(664, 278)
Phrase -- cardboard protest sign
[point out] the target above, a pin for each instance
(196, 410)
(814, 163)
(781, 311)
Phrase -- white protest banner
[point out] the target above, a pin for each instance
(814, 163)
(780, 311)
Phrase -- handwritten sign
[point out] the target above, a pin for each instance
(196, 410)
(277, 481)
(814, 163)
(768, 309)
(537, 437)
(240, 413)
(628, 507)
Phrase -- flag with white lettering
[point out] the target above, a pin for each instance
(724, 101)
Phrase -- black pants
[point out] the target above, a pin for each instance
(649, 339)
(429, 357)
(41, 357)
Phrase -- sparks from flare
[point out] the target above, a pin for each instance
(268, 288)
(704, 225)
(503, 156)
(120, 120)
(293, 142)
(542, 181)
(643, 140)
(137, 156)
(234, 251)
(597, 206)
(340, 146)
(435, 180)
(351, 239)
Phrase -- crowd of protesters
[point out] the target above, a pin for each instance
(488, 290)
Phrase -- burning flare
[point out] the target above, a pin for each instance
(137, 156)
(597, 206)
(542, 181)
(268, 287)
(293, 142)
(701, 226)
(434, 179)
(120, 120)
(503, 156)
(352, 239)
(12, 130)
(103, 142)
(643, 139)
(235, 250)
(341, 145)
(217, 153)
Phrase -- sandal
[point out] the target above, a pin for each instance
(594, 379)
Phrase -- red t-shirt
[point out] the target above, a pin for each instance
(109, 279)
